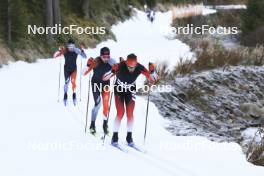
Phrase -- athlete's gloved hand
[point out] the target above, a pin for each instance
(90, 62)
(151, 67)
(83, 47)
(121, 59)
(61, 48)
(89, 66)
(153, 74)
(115, 68)
(59, 52)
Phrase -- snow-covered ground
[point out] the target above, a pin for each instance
(41, 137)
(208, 11)
(147, 40)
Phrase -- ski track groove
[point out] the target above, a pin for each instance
(143, 156)
(153, 162)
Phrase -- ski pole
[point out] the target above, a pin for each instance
(59, 81)
(83, 47)
(87, 108)
(109, 108)
(81, 81)
(146, 121)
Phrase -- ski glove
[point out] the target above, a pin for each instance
(153, 74)
(83, 47)
(151, 67)
(89, 66)
(115, 68)
(121, 59)
(59, 52)
(90, 62)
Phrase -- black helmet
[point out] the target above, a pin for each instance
(132, 56)
(71, 41)
(105, 51)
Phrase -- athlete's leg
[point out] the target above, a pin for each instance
(105, 98)
(97, 100)
(67, 80)
(130, 105)
(73, 80)
(120, 109)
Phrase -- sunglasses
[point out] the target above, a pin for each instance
(105, 54)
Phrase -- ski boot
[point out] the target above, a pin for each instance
(92, 128)
(74, 98)
(114, 141)
(65, 97)
(105, 127)
(129, 139)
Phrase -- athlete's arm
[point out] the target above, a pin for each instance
(111, 61)
(80, 52)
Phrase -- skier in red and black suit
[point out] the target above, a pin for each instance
(70, 54)
(100, 88)
(124, 90)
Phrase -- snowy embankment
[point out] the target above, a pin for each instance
(191, 10)
(218, 104)
(227, 7)
(41, 137)
(200, 9)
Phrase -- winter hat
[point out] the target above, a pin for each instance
(105, 51)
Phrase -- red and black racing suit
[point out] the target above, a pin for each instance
(100, 88)
(124, 91)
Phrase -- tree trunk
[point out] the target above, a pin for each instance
(9, 22)
(56, 12)
(49, 18)
(86, 8)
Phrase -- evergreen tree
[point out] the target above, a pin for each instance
(253, 23)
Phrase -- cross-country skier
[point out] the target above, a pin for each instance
(151, 15)
(70, 68)
(100, 66)
(124, 90)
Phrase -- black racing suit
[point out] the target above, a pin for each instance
(100, 87)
